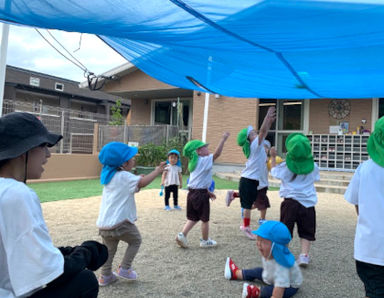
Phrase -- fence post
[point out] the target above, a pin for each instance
(95, 138)
(167, 134)
(62, 132)
(125, 134)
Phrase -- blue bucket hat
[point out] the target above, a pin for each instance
(279, 235)
(112, 156)
(174, 151)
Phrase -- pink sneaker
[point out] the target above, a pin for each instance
(127, 274)
(229, 197)
(105, 280)
(248, 232)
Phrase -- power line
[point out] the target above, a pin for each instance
(80, 65)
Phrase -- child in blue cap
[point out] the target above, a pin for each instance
(280, 271)
(117, 214)
(172, 179)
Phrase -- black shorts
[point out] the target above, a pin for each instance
(262, 201)
(291, 212)
(198, 205)
(248, 192)
(372, 277)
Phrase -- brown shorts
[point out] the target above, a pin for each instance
(291, 212)
(198, 205)
(262, 201)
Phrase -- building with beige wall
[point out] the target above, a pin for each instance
(154, 102)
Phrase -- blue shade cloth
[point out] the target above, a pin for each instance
(112, 156)
(295, 49)
(174, 151)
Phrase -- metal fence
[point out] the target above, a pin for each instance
(85, 132)
(137, 135)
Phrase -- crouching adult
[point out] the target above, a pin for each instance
(30, 265)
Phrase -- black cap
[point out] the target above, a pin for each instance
(20, 132)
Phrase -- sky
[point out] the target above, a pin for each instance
(27, 49)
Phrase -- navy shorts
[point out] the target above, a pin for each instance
(372, 277)
(248, 192)
(291, 212)
(198, 205)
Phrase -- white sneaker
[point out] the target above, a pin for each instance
(229, 197)
(207, 243)
(248, 232)
(304, 260)
(181, 240)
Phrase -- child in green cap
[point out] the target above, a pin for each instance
(366, 192)
(298, 174)
(254, 178)
(200, 166)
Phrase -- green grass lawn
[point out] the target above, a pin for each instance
(55, 191)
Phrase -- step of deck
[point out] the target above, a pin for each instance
(330, 182)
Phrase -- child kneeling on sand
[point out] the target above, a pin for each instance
(280, 271)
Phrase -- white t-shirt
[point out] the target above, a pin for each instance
(118, 200)
(201, 177)
(172, 176)
(366, 190)
(302, 188)
(280, 276)
(28, 258)
(256, 165)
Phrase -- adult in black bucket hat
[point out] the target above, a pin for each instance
(30, 264)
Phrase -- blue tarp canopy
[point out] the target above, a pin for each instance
(266, 49)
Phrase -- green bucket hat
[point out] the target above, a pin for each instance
(242, 140)
(291, 136)
(299, 157)
(189, 151)
(375, 144)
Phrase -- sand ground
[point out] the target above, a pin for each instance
(165, 270)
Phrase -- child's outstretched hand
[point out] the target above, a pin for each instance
(271, 114)
(160, 168)
(225, 135)
(273, 152)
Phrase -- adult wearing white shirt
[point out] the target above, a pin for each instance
(366, 192)
(30, 265)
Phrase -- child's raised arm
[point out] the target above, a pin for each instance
(267, 122)
(220, 147)
(144, 181)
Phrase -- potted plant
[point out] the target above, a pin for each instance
(149, 156)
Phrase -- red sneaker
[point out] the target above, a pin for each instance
(230, 269)
(250, 291)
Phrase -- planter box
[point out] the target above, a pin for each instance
(143, 170)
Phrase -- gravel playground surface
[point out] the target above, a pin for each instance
(165, 270)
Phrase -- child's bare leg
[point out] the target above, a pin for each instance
(263, 213)
(205, 230)
(305, 246)
(188, 226)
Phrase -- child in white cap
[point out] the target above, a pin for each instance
(253, 177)
(30, 265)
(198, 206)
(298, 174)
(172, 179)
(117, 215)
(366, 192)
(279, 271)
